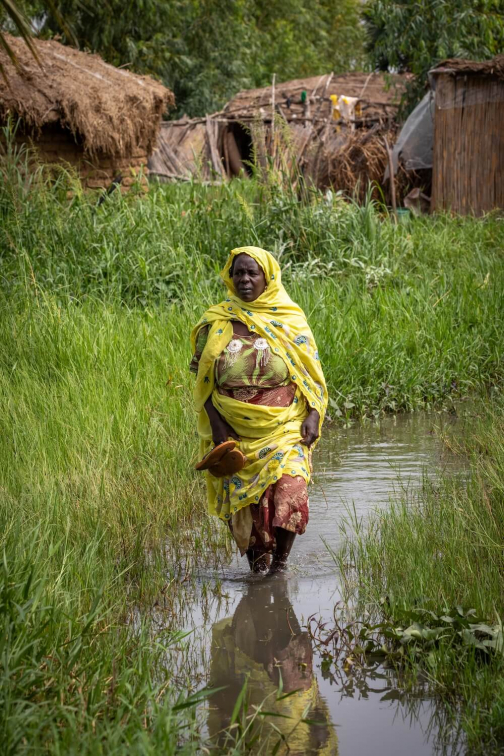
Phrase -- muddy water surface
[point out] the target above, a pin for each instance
(255, 629)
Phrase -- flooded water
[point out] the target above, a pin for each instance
(254, 629)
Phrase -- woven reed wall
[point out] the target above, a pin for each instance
(468, 172)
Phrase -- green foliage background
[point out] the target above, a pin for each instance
(414, 35)
(207, 50)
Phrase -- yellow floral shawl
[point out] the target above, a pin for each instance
(270, 436)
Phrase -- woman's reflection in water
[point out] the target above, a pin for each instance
(262, 641)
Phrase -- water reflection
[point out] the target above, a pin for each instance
(243, 628)
(263, 643)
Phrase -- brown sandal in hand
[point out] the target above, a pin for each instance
(223, 460)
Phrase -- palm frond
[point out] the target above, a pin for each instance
(66, 28)
(23, 27)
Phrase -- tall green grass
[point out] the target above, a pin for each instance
(73, 679)
(405, 315)
(97, 432)
(440, 549)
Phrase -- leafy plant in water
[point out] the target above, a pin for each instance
(426, 631)
(415, 637)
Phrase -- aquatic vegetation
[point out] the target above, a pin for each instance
(443, 548)
(411, 638)
(74, 678)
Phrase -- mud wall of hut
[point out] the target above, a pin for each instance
(468, 172)
(53, 145)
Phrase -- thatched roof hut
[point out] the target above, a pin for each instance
(378, 96)
(76, 108)
(468, 171)
(312, 120)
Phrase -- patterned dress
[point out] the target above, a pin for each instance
(248, 371)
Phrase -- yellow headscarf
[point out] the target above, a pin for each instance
(283, 324)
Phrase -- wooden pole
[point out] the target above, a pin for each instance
(226, 154)
(212, 143)
(273, 116)
(392, 178)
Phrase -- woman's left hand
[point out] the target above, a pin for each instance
(310, 428)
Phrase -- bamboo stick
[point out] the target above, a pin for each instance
(267, 119)
(273, 109)
(214, 154)
(392, 178)
(176, 177)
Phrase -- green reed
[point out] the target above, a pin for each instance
(100, 511)
(406, 315)
(441, 549)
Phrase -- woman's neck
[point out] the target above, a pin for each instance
(240, 329)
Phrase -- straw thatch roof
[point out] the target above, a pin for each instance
(108, 109)
(493, 67)
(379, 95)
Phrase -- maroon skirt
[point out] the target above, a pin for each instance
(284, 504)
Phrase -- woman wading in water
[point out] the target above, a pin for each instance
(259, 388)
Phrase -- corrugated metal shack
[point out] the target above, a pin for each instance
(325, 127)
(468, 170)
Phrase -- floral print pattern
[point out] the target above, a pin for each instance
(284, 504)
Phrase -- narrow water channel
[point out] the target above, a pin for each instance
(254, 629)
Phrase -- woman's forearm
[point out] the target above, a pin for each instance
(211, 411)
(310, 427)
(221, 430)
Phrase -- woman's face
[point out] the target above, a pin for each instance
(248, 278)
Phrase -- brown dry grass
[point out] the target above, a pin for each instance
(493, 67)
(107, 109)
(361, 162)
